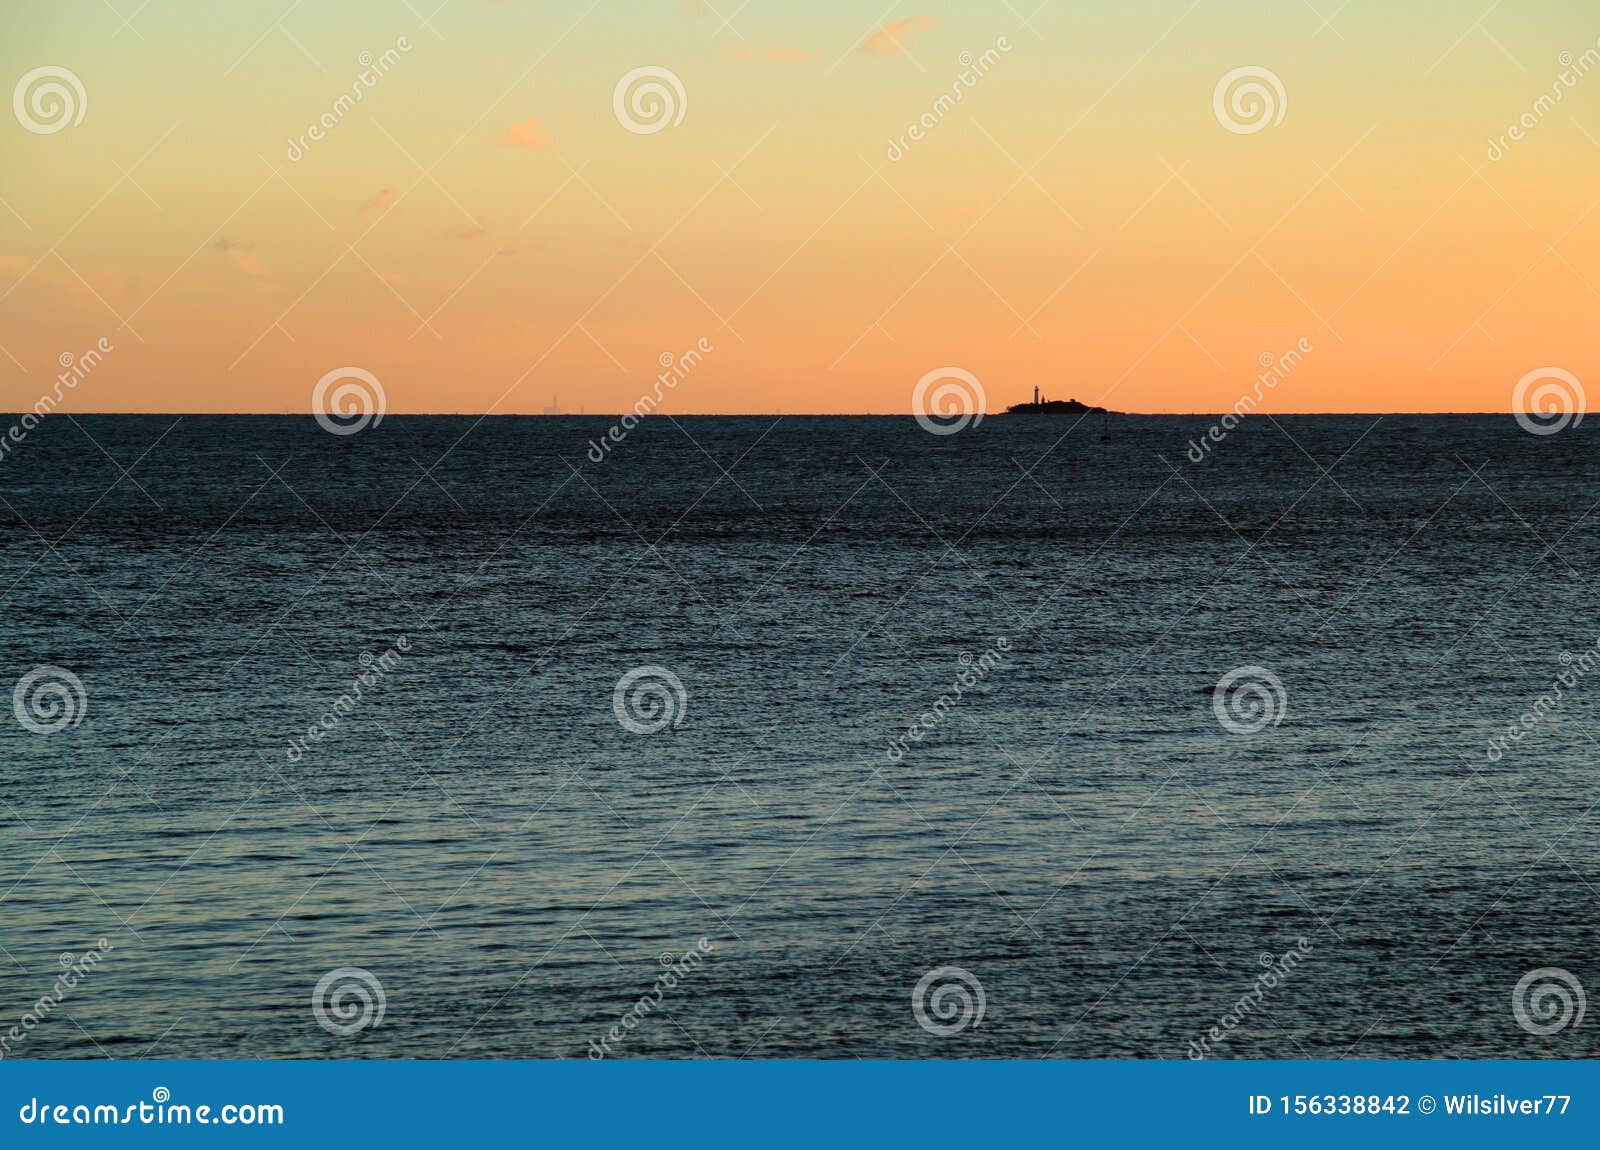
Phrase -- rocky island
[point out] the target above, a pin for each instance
(1042, 406)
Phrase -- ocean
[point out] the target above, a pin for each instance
(318, 749)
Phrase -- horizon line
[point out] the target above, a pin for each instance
(1080, 416)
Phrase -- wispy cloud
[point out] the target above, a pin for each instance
(381, 197)
(243, 256)
(470, 231)
(529, 134)
(890, 40)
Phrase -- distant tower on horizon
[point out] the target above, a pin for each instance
(555, 406)
(1036, 395)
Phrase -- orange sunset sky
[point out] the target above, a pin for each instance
(494, 225)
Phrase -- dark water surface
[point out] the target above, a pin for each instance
(1078, 831)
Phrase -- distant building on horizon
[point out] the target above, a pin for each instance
(1043, 406)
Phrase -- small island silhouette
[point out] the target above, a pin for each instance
(1042, 406)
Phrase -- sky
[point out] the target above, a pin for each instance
(491, 227)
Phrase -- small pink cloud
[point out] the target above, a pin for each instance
(382, 197)
(890, 40)
(249, 264)
(529, 135)
(471, 231)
